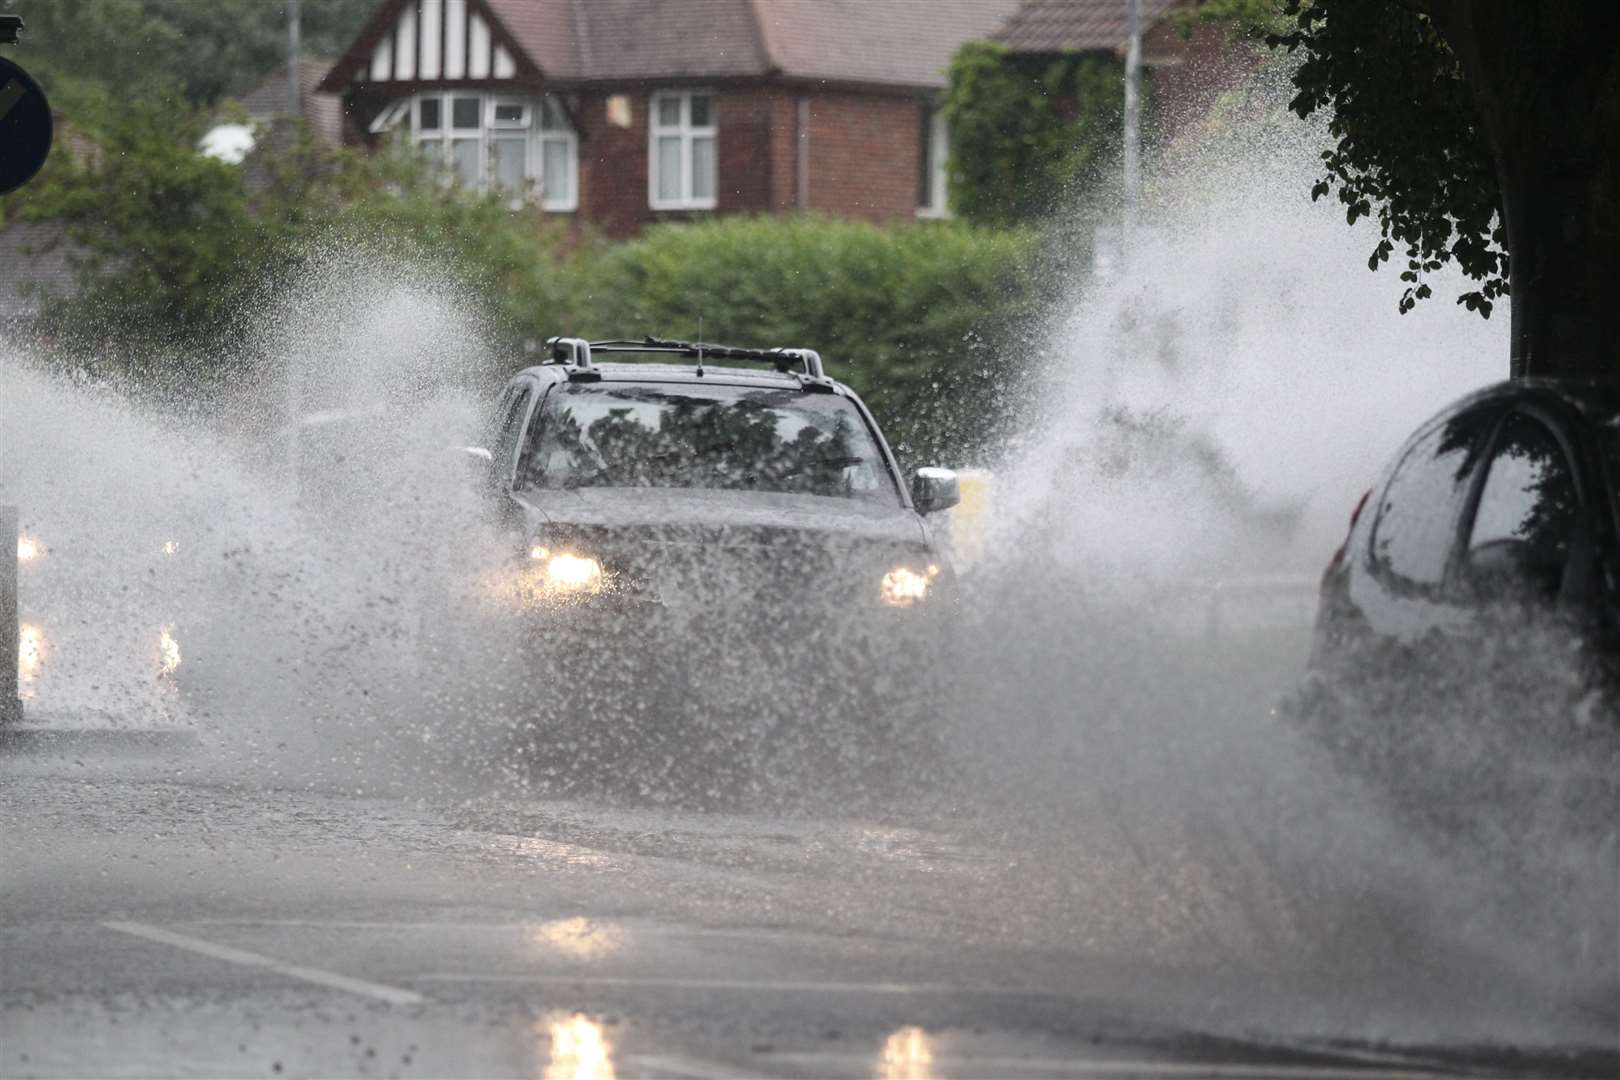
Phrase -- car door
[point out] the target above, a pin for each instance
(1522, 529)
(1529, 564)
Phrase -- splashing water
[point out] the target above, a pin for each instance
(1205, 423)
(254, 553)
(1210, 414)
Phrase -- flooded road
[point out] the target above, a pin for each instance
(160, 921)
(277, 849)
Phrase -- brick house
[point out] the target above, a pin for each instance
(626, 112)
(1188, 66)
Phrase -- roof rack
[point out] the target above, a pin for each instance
(577, 352)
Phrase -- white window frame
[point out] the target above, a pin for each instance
(567, 136)
(938, 149)
(450, 135)
(531, 129)
(514, 131)
(688, 134)
(390, 118)
(521, 124)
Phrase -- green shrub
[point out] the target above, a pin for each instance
(1029, 135)
(187, 254)
(925, 321)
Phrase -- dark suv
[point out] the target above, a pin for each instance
(740, 531)
(1472, 617)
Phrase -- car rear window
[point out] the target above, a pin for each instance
(677, 435)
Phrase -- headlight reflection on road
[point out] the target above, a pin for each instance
(168, 651)
(31, 650)
(579, 1049)
(908, 1054)
(578, 938)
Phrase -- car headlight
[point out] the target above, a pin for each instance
(566, 572)
(29, 549)
(903, 586)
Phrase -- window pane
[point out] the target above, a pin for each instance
(669, 168)
(552, 117)
(925, 161)
(464, 112)
(430, 114)
(1418, 517)
(465, 153)
(939, 140)
(1528, 507)
(557, 185)
(702, 110)
(511, 163)
(669, 111)
(703, 167)
(509, 112)
(507, 443)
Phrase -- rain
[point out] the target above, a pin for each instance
(327, 766)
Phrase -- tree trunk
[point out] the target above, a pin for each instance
(1546, 77)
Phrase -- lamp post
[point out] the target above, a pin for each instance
(294, 97)
(10, 629)
(1133, 113)
(295, 109)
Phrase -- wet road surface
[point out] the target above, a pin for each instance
(163, 917)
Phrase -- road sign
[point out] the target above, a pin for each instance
(25, 127)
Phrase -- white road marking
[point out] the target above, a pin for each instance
(391, 994)
(1093, 1069)
(640, 928)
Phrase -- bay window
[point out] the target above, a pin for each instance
(681, 152)
(523, 146)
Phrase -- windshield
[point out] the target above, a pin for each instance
(722, 437)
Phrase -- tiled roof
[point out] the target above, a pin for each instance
(38, 262)
(550, 32)
(1053, 26)
(901, 43)
(633, 39)
(324, 112)
(898, 42)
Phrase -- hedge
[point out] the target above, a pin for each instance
(925, 320)
(190, 257)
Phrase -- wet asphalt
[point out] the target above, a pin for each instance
(168, 912)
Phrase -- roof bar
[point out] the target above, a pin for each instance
(570, 350)
(784, 360)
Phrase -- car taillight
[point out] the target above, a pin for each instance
(1355, 516)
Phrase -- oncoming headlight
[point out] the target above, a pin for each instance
(903, 586)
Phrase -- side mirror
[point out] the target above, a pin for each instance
(480, 466)
(934, 489)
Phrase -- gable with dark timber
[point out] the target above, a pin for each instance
(414, 44)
